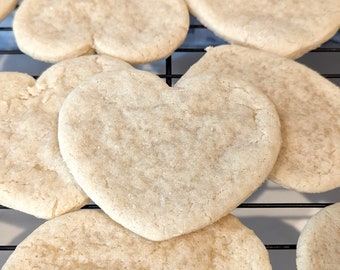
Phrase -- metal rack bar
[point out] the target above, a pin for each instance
(3, 248)
(269, 247)
(247, 205)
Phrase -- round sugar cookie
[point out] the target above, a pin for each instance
(89, 239)
(6, 6)
(308, 106)
(166, 161)
(288, 28)
(318, 246)
(33, 176)
(135, 31)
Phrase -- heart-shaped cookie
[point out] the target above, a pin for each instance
(318, 246)
(135, 31)
(89, 239)
(166, 161)
(33, 176)
(288, 28)
(308, 106)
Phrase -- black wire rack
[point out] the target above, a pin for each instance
(173, 67)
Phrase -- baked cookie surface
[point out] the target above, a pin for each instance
(166, 161)
(6, 6)
(135, 31)
(318, 245)
(288, 28)
(89, 239)
(308, 107)
(33, 176)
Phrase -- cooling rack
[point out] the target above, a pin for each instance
(275, 214)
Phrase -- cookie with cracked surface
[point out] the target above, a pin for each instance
(6, 6)
(135, 31)
(89, 239)
(288, 28)
(308, 106)
(166, 161)
(318, 246)
(33, 177)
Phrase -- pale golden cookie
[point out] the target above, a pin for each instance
(308, 106)
(135, 31)
(318, 245)
(166, 161)
(6, 6)
(33, 177)
(288, 28)
(89, 239)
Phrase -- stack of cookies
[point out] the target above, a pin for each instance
(166, 165)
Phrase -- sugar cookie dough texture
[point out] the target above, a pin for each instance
(89, 239)
(6, 6)
(135, 31)
(288, 28)
(166, 161)
(318, 245)
(33, 176)
(308, 106)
